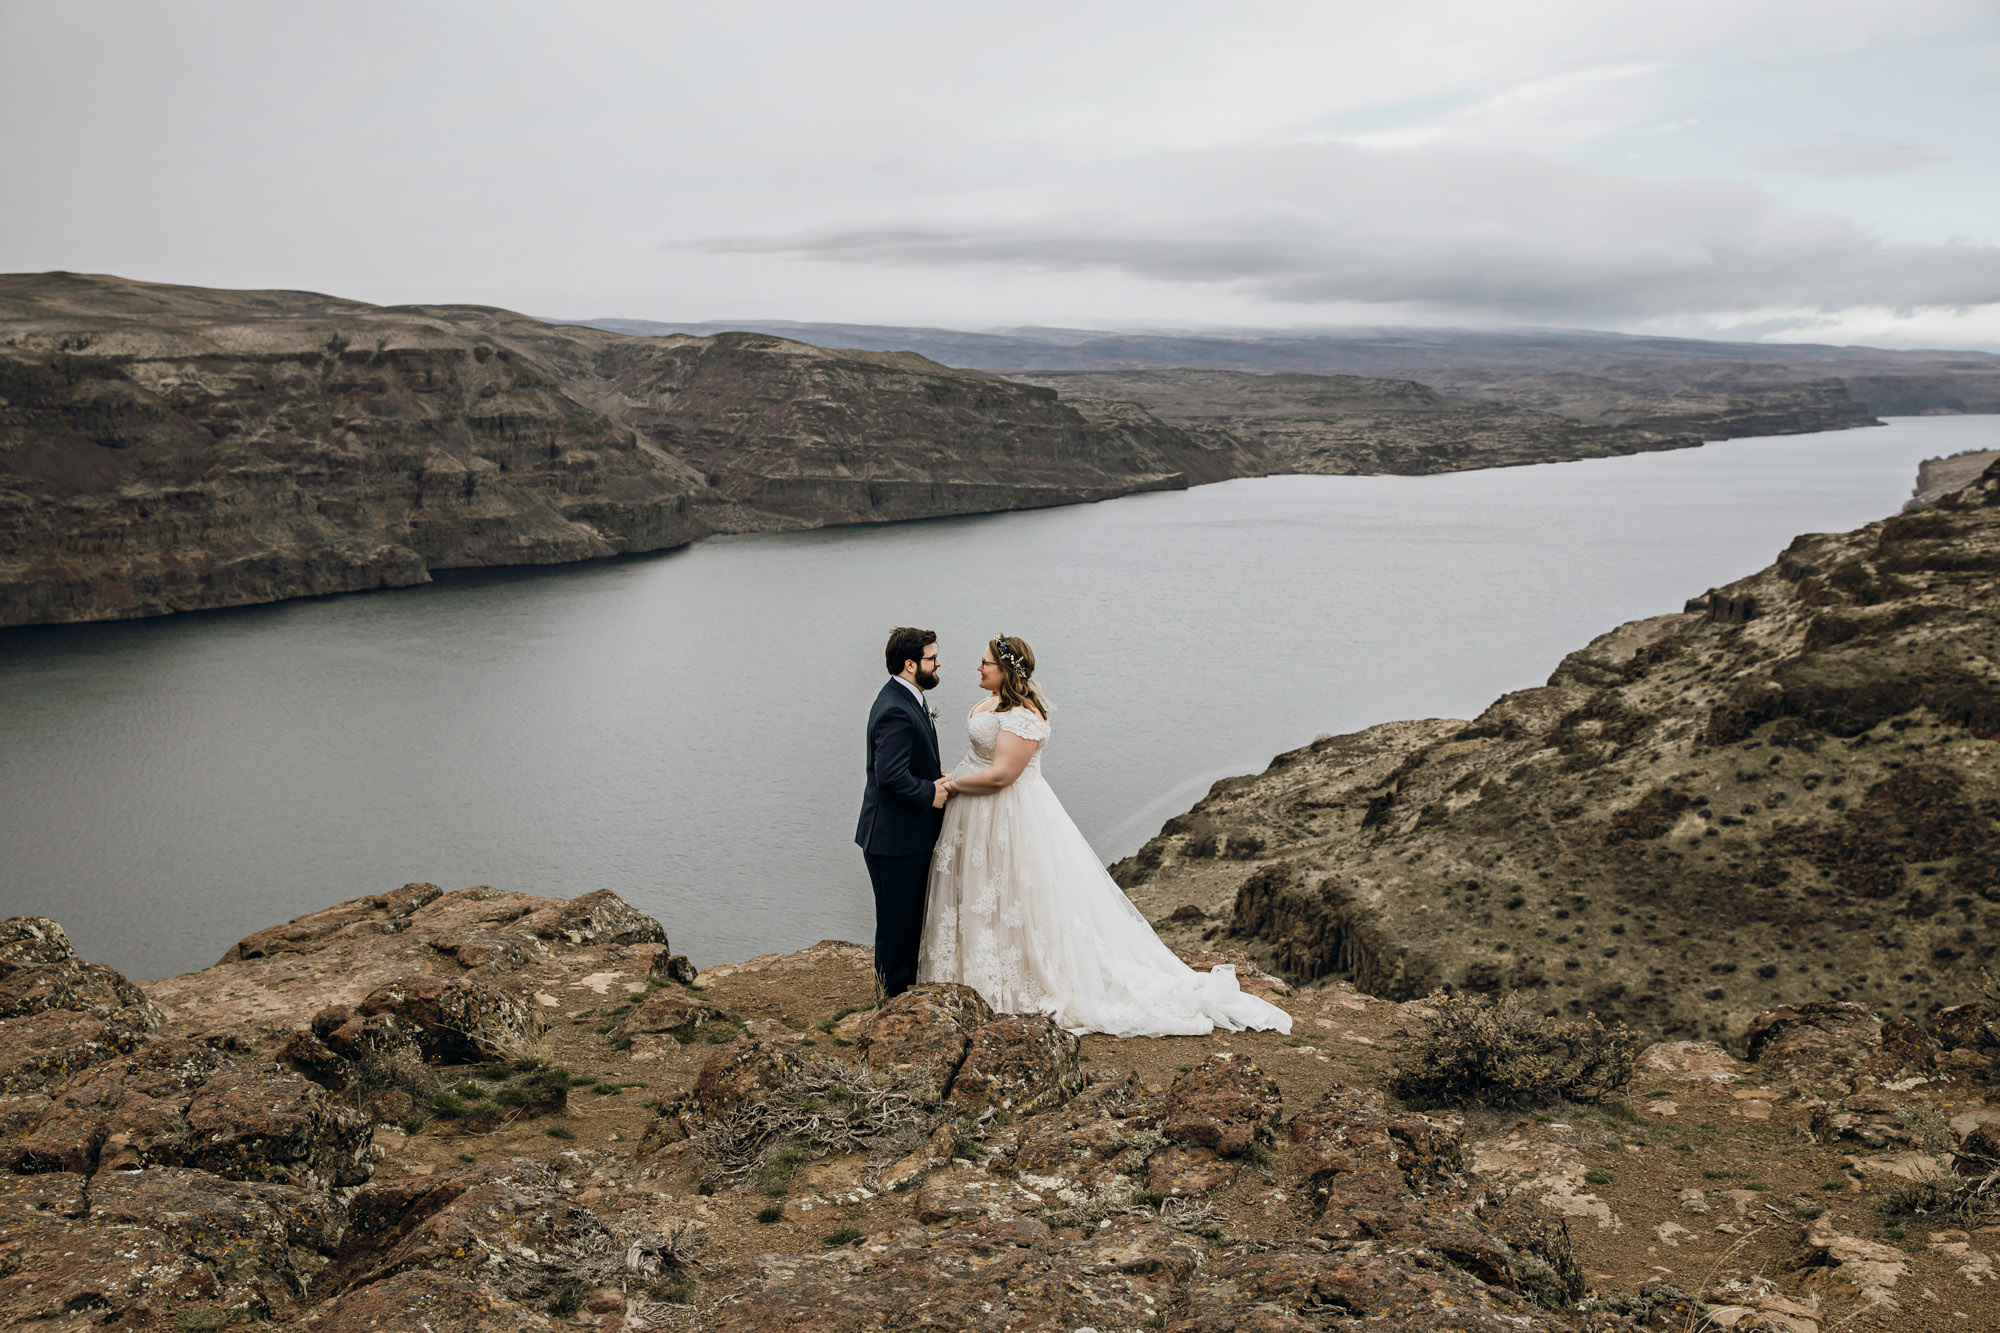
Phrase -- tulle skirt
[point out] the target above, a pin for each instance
(1021, 910)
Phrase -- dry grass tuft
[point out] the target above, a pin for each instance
(824, 1109)
(1471, 1050)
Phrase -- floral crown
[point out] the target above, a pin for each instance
(1004, 650)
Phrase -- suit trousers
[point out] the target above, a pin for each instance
(900, 883)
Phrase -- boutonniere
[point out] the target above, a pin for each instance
(932, 712)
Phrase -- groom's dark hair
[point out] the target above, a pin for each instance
(907, 645)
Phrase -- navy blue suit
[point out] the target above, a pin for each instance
(898, 828)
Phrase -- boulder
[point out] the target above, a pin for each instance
(266, 1245)
(382, 912)
(194, 1104)
(667, 1011)
(41, 1050)
(1020, 1063)
(1968, 1027)
(1181, 1169)
(1225, 1103)
(59, 1014)
(673, 967)
(1110, 1130)
(513, 1225)
(919, 1038)
(595, 918)
(425, 1300)
(460, 1019)
(31, 942)
(1835, 1046)
(1365, 1167)
(162, 1243)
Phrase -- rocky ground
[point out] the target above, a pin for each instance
(1349, 425)
(481, 1110)
(172, 448)
(1788, 792)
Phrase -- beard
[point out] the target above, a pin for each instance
(926, 680)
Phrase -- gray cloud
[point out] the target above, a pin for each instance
(1845, 157)
(1472, 231)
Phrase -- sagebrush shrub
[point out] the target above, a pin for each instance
(1472, 1050)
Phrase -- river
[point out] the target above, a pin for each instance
(686, 728)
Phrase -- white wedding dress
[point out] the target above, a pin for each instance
(1021, 910)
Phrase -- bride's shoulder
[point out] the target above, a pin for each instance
(1026, 723)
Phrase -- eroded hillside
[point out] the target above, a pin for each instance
(1789, 791)
(173, 448)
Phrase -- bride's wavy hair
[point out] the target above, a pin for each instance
(1017, 664)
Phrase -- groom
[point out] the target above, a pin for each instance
(902, 805)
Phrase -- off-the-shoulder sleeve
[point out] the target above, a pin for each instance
(1025, 724)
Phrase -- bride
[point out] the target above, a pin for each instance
(1020, 908)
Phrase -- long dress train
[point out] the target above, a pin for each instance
(1022, 911)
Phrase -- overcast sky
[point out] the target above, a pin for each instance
(1818, 169)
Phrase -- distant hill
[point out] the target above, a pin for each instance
(1512, 366)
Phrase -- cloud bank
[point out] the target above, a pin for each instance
(1454, 230)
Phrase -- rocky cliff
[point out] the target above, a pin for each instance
(1349, 425)
(487, 1112)
(1788, 791)
(171, 448)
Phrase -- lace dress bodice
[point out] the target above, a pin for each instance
(983, 730)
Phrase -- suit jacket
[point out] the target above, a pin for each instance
(903, 768)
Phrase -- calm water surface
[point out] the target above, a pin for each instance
(686, 729)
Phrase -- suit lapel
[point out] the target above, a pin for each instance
(922, 714)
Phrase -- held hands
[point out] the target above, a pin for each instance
(943, 794)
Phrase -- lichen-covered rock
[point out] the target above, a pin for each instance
(1226, 1103)
(139, 1100)
(41, 1050)
(439, 1302)
(1021, 1063)
(1365, 1166)
(458, 1019)
(979, 1273)
(30, 942)
(1292, 1288)
(596, 918)
(1968, 1027)
(59, 1014)
(160, 1243)
(1834, 1046)
(1181, 1169)
(264, 1122)
(667, 1011)
(385, 912)
(919, 1038)
(352, 1036)
(191, 1103)
(510, 1224)
(266, 1244)
(1110, 1130)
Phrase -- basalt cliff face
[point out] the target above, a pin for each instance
(488, 1112)
(1789, 791)
(172, 448)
